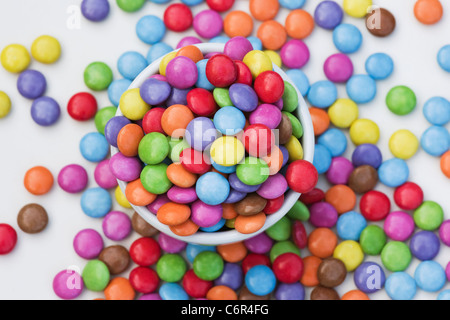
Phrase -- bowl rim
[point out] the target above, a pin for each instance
(229, 236)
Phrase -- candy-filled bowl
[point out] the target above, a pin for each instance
(220, 232)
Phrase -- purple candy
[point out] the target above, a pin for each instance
(187, 41)
(31, 84)
(260, 243)
(338, 68)
(232, 276)
(399, 226)
(266, 114)
(323, 215)
(178, 96)
(205, 215)
(88, 244)
(367, 154)
(444, 232)
(279, 104)
(236, 48)
(95, 10)
(182, 195)
(200, 133)
(73, 178)
(113, 127)
(290, 291)
(169, 244)
(238, 185)
(369, 277)
(339, 170)
(103, 175)
(150, 296)
(208, 24)
(243, 97)
(158, 203)
(273, 187)
(294, 54)
(45, 111)
(155, 92)
(285, 153)
(68, 284)
(181, 72)
(425, 245)
(328, 15)
(235, 196)
(125, 168)
(116, 225)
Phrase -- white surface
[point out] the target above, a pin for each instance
(27, 272)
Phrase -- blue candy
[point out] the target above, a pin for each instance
(379, 66)
(256, 43)
(292, 4)
(322, 94)
(401, 286)
(435, 141)
(437, 111)
(212, 188)
(444, 295)
(393, 172)
(335, 141)
(347, 38)
(96, 202)
(157, 51)
(443, 58)
(172, 291)
(45, 111)
(260, 280)
(361, 88)
(322, 158)
(223, 169)
(116, 90)
(202, 80)
(430, 276)
(160, 1)
(150, 29)
(131, 64)
(192, 2)
(350, 225)
(94, 147)
(215, 227)
(229, 120)
(300, 80)
(219, 39)
(192, 250)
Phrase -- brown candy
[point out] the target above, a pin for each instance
(252, 204)
(245, 294)
(323, 293)
(284, 129)
(331, 272)
(363, 178)
(380, 22)
(32, 218)
(142, 227)
(116, 258)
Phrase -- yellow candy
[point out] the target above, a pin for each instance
(257, 61)
(350, 253)
(294, 148)
(364, 131)
(343, 112)
(132, 105)
(5, 104)
(227, 151)
(230, 223)
(357, 8)
(15, 58)
(274, 57)
(46, 49)
(121, 198)
(165, 61)
(403, 144)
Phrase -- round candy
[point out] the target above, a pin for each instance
(369, 277)
(153, 148)
(208, 24)
(5, 104)
(399, 226)
(445, 164)
(347, 38)
(15, 58)
(178, 17)
(95, 10)
(116, 258)
(437, 111)
(372, 240)
(322, 242)
(45, 111)
(294, 54)
(172, 291)
(8, 238)
(272, 34)
(403, 144)
(96, 275)
(157, 51)
(208, 265)
(221, 70)
(328, 15)
(281, 230)
(150, 29)
(212, 188)
(98, 76)
(322, 158)
(357, 9)
(323, 215)
(322, 293)
(379, 66)
(299, 24)
(103, 175)
(129, 138)
(322, 94)
(31, 84)
(343, 112)
(374, 205)
(301, 176)
(38, 180)
(258, 140)
(401, 286)
(294, 291)
(367, 154)
(94, 147)
(408, 196)
(288, 267)
(430, 276)
(320, 120)
(443, 58)
(331, 272)
(444, 295)
(444, 233)
(363, 179)
(401, 100)
(396, 256)
(364, 131)
(194, 286)
(68, 284)
(350, 225)
(73, 178)
(82, 106)
(264, 10)
(393, 172)
(88, 244)
(361, 88)
(32, 218)
(429, 215)
(350, 253)
(238, 24)
(380, 22)
(244, 97)
(230, 120)
(334, 140)
(130, 5)
(355, 295)
(338, 68)
(201, 102)
(143, 280)
(425, 245)
(46, 49)
(116, 225)
(131, 64)
(96, 202)
(182, 72)
(258, 62)
(204, 215)
(145, 251)
(154, 178)
(260, 280)
(339, 171)
(435, 140)
(428, 11)
(116, 89)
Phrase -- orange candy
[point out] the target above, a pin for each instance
(221, 293)
(263, 10)
(191, 52)
(320, 120)
(272, 35)
(179, 176)
(322, 242)
(228, 211)
(274, 160)
(119, 289)
(38, 180)
(310, 266)
(128, 139)
(299, 24)
(136, 194)
(355, 295)
(428, 11)
(185, 229)
(238, 23)
(233, 252)
(175, 120)
(445, 164)
(341, 197)
(249, 224)
(173, 214)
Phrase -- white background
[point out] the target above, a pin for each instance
(27, 272)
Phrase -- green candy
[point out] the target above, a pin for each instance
(396, 256)
(283, 247)
(297, 128)
(130, 5)
(222, 97)
(401, 100)
(153, 148)
(290, 97)
(208, 265)
(96, 275)
(299, 211)
(154, 178)
(103, 116)
(429, 216)
(98, 76)
(252, 171)
(175, 148)
(171, 267)
(281, 230)
(372, 240)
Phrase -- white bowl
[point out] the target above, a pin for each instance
(231, 236)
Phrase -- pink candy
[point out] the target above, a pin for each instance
(294, 54)
(323, 215)
(205, 215)
(68, 284)
(73, 178)
(266, 114)
(399, 226)
(88, 244)
(208, 24)
(116, 225)
(103, 175)
(444, 233)
(338, 68)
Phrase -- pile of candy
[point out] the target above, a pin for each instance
(327, 237)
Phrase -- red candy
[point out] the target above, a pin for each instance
(313, 196)
(201, 102)
(269, 86)
(194, 161)
(254, 259)
(220, 5)
(178, 17)
(221, 71)
(8, 238)
(244, 73)
(152, 121)
(301, 176)
(82, 106)
(408, 196)
(374, 205)
(273, 205)
(145, 251)
(194, 286)
(299, 234)
(144, 279)
(288, 267)
(258, 140)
